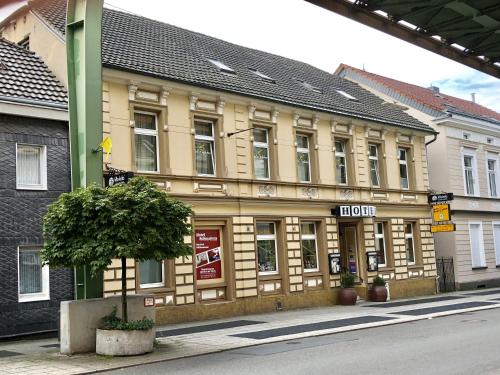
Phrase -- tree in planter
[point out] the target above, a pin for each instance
(94, 225)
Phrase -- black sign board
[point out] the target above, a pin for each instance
(371, 261)
(438, 198)
(121, 177)
(334, 264)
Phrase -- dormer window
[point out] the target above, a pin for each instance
(222, 67)
(346, 95)
(264, 77)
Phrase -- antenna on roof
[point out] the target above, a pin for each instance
(473, 97)
(364, 70)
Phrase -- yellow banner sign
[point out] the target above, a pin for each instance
(443, 228)
(441, 212)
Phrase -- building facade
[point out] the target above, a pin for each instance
(291, 171)
(464, 160)
(34, 170)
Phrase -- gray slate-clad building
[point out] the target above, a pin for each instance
(34, 171)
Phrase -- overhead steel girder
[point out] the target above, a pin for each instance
(366, 15)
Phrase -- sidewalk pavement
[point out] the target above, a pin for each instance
(191, 339)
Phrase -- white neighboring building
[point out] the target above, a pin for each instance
(464, 160)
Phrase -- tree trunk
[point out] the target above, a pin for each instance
(124, 290)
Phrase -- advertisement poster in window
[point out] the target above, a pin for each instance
(208, 254)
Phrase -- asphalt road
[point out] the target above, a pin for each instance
(467, 343)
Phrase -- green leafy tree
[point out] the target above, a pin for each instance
(94, 225)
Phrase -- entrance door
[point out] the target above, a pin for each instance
(349, 249)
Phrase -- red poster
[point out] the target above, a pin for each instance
(208, 254)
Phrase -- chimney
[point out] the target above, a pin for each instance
(435, 89)
(473, 97)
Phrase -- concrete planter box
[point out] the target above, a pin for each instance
(115, 342)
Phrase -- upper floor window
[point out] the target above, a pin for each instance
(204, 147)
(31, 167)
(261, 153)
(380, 244)
(151, 274)
(146, 142)
(33, 277)
(340, 162)
(403, 168)
(470, 175)
(266, 248)
(374, 164)
(303, 158)
(309, 245)
(492, 176)
(409, 243)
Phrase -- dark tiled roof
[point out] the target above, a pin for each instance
(140, 45)
(23, 76)
(427, 96)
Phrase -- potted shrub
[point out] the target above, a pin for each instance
(347, 294)
(94, 225)
(378, 292)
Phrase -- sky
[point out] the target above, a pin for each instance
(305, 32)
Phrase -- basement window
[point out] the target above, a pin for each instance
(346, 95)
(222, 67)
(264, 77)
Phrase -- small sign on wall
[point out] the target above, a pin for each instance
(149, 301)
(371, 261)
(334, 263)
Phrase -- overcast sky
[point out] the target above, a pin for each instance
(305, 32)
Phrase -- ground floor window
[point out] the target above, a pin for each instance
(308, 241)
(477, 245)
(380, 244)
(33, 276)
(152, 274)
(409, 243)
(496, 240)
(266, 248)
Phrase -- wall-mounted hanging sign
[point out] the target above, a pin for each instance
(443, 228)
(334, 263)
(354, 211)
(440, 212)
(208, 254)
(371, 261)
(439, 198)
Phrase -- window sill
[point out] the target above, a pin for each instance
(481, 268)
(153, 289)
(312, 273)
(33, 298)
(34, 188)
(415, 266)
(272, 276)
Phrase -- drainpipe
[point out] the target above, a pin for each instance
(432, 140)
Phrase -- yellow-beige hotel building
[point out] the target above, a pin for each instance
(291, 171)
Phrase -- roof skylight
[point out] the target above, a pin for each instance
(346, 95)
(263, 76)
(310, 87)
(221, 66)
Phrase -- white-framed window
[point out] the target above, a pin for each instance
(409, 243)
(340, 162)
(146, 141)
(374, 164)
(151, 274)
(403, 168)
(380, 244)
(492, 167)
(478, 258)
(308, 242)
(261, 153)
(267, 256)
(204, 134)
(31, 167)
(470, 173)
(33, 277)
(496, 240)
(303, 158)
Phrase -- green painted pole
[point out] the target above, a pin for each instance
(83, 53)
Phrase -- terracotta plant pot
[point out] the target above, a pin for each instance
(378, 294)
(347, 296)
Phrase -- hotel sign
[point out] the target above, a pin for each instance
(354, 211)
(443, 228)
